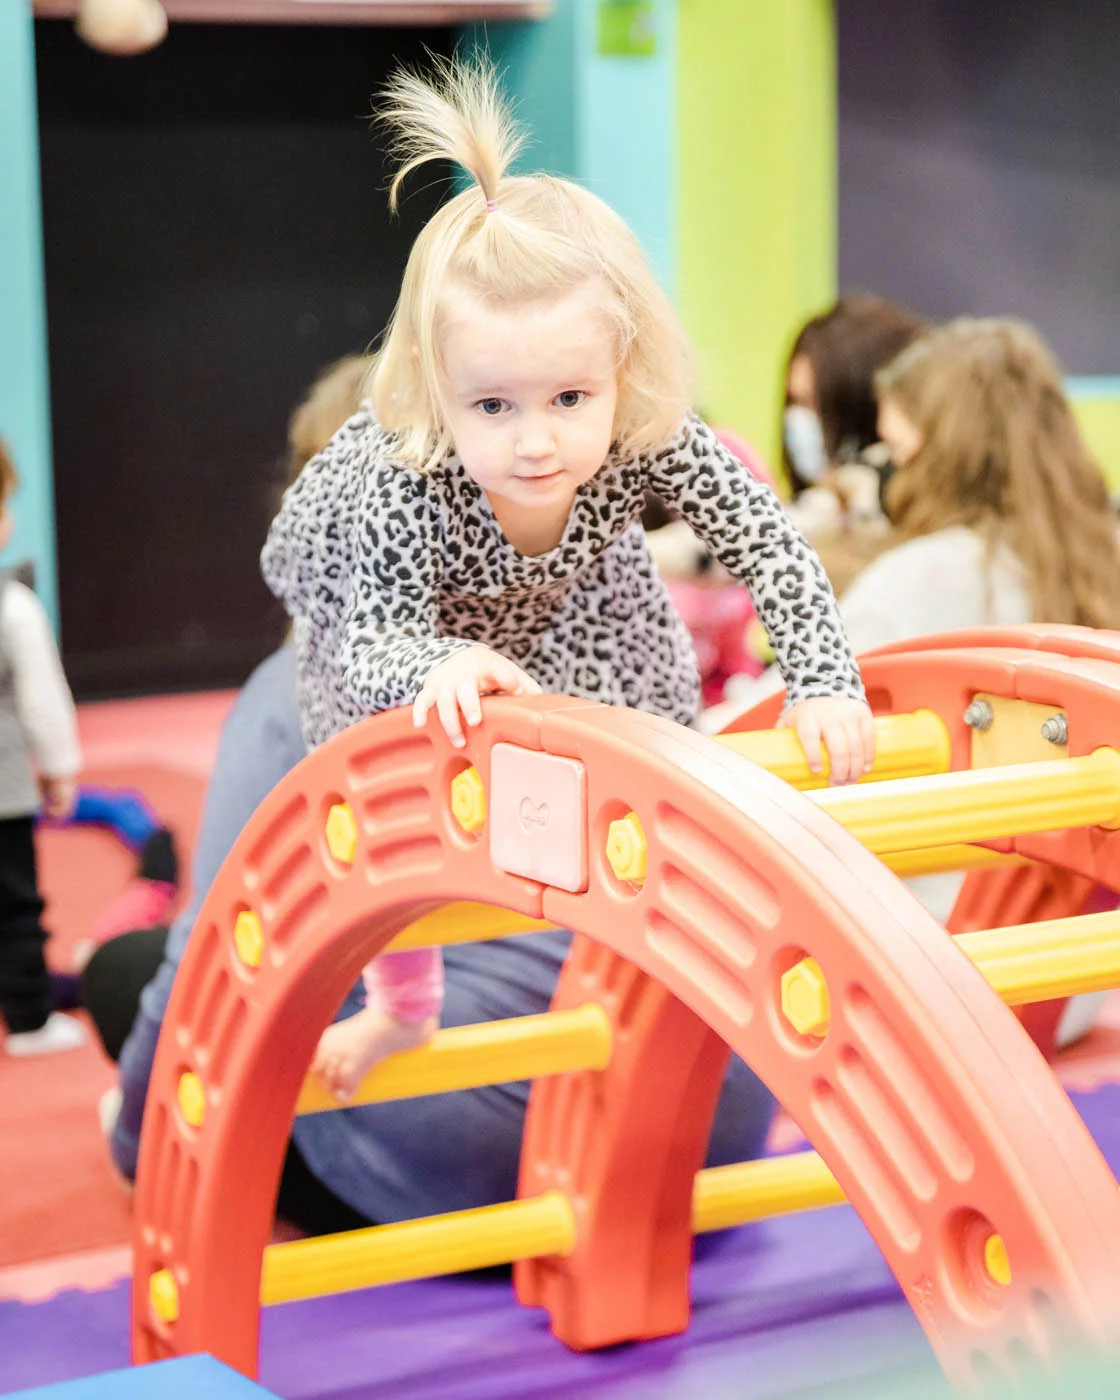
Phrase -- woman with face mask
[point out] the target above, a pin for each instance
(833, 462)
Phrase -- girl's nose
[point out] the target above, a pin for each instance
(535, 440)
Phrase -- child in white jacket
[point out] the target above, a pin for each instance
(39, 763)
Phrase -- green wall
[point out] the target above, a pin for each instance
(756, 219)
(1096, 402)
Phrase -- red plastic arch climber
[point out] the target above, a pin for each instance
(941, 1122)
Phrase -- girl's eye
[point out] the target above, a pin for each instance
(490, 407)
(570, 398)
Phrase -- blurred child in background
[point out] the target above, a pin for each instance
(39, 761)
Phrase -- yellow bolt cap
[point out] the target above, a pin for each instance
(248, 938)
(342, 833)
(468, 799)
(192, 1098)
(805, 998)
(996, 1261)
(627, 852)
(164, 1294)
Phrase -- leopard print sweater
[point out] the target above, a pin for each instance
(387, 572)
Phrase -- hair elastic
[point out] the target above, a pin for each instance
(491, 205)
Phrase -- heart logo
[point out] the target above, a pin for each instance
(533, 816)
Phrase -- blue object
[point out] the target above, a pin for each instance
(123, 811)
(184, 1379)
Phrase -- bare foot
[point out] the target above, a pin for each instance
(349, 1049)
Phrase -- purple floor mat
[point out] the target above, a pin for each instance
(779, 1309)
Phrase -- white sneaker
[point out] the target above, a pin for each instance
(57, 1033)
(109, 1109)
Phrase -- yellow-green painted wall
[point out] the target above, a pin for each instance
(1096, 401)
(756, 230)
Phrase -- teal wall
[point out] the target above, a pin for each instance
(24, 404)
(607, 121)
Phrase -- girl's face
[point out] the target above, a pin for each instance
(530, 395)
(897, 431)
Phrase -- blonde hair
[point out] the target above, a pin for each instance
(334, 397)
(511, 240)
(1001, 453)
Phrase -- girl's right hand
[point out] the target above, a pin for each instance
(455, 686)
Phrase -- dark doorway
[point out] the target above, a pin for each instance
(216, 231)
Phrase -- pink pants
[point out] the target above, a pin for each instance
(407, 986)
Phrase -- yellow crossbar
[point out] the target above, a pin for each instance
(1025, 962)
(906, 746)
(746, 1191)
(465, 923)
(939, 860)
(982, 804)
(425, 1248)
(491, 1052)
(1051, 958)
(526, 1229)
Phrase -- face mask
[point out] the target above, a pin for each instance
(804, 439)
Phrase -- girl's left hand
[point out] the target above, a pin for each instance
(846, 729)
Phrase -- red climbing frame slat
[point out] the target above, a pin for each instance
(927, 1100)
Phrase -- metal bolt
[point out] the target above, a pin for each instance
(979, 715)
(1056, 729)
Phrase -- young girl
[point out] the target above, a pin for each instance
(39, 762)
(476, 530)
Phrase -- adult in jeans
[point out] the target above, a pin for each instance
(376, 1162)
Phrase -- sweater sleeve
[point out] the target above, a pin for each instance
(392, 632)
(42, 697)
(293, 543)
(745, 526)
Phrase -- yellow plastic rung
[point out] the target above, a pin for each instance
(937, 860)
(527, 1229)
(425, 1248)
(980, 804)
(1052, 958)
(906, 746)
(472, 923)
(462, 922)
(746, 1191)
(492, 1052)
